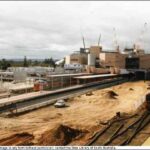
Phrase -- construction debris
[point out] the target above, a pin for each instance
(89, 94)
(61, 135)
(51, 126)
(131, 89)
(111, 94)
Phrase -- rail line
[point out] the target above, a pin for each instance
(44, 100)
(119, 132)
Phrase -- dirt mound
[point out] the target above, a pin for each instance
(17, 139)
(110, 94)
(89, 94)
(61, 135)
(131, 89)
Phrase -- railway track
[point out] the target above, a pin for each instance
(42, 101)
(120, 132)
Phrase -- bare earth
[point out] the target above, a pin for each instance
(75, 124)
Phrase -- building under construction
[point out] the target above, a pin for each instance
(95, 56)
(97, 109)
(97, 60)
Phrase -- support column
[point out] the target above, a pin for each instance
(52, 82)
(62, 82)
(85, 81)
(78, 81)
(70, 80)
(145, 76)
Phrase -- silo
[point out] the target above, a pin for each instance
(91, 60)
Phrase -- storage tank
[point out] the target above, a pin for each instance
(91, 60)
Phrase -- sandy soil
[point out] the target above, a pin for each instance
(54, 126)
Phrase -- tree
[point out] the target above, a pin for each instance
(25, 62)
(35, 63)
(29, 62)
(50, 62)
(4, 64)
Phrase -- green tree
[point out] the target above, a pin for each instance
(35, 63)
(25, 62)
(29, 62)
(4, 64)
(50, 62)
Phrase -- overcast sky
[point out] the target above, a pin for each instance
(44, 29)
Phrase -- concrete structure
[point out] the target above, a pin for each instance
(95, 50)
(92, 69)
(7, 76)
(91, 59)
(144, 61)
(139, 51)
(119, 60)
(96, 78)
(21, 89)
(76, 58)
(96, 57)
(82, 56)
(73, 67)
(20, 76)
(112, 59)
(32, 71)
(63, 80)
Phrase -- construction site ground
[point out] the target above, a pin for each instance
(75, 124)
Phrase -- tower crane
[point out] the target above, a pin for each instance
(116, 45)
(140, 39)
(99, 40)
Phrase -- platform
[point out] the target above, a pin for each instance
(3, 95)
(27, 96)
(25, 87)
(95, 76)
(33, 95)
(67, 75)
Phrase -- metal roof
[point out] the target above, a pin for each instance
(6, 73)
(66, 75)
(95, 76)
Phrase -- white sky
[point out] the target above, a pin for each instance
(43, 29)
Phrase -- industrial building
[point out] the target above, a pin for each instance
(76, 58)
(96, 60)
(112, 59)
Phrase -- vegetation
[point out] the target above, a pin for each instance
(4, 64)
(50, 62)
(25, 62)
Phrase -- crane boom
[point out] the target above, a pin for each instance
(99, 39)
